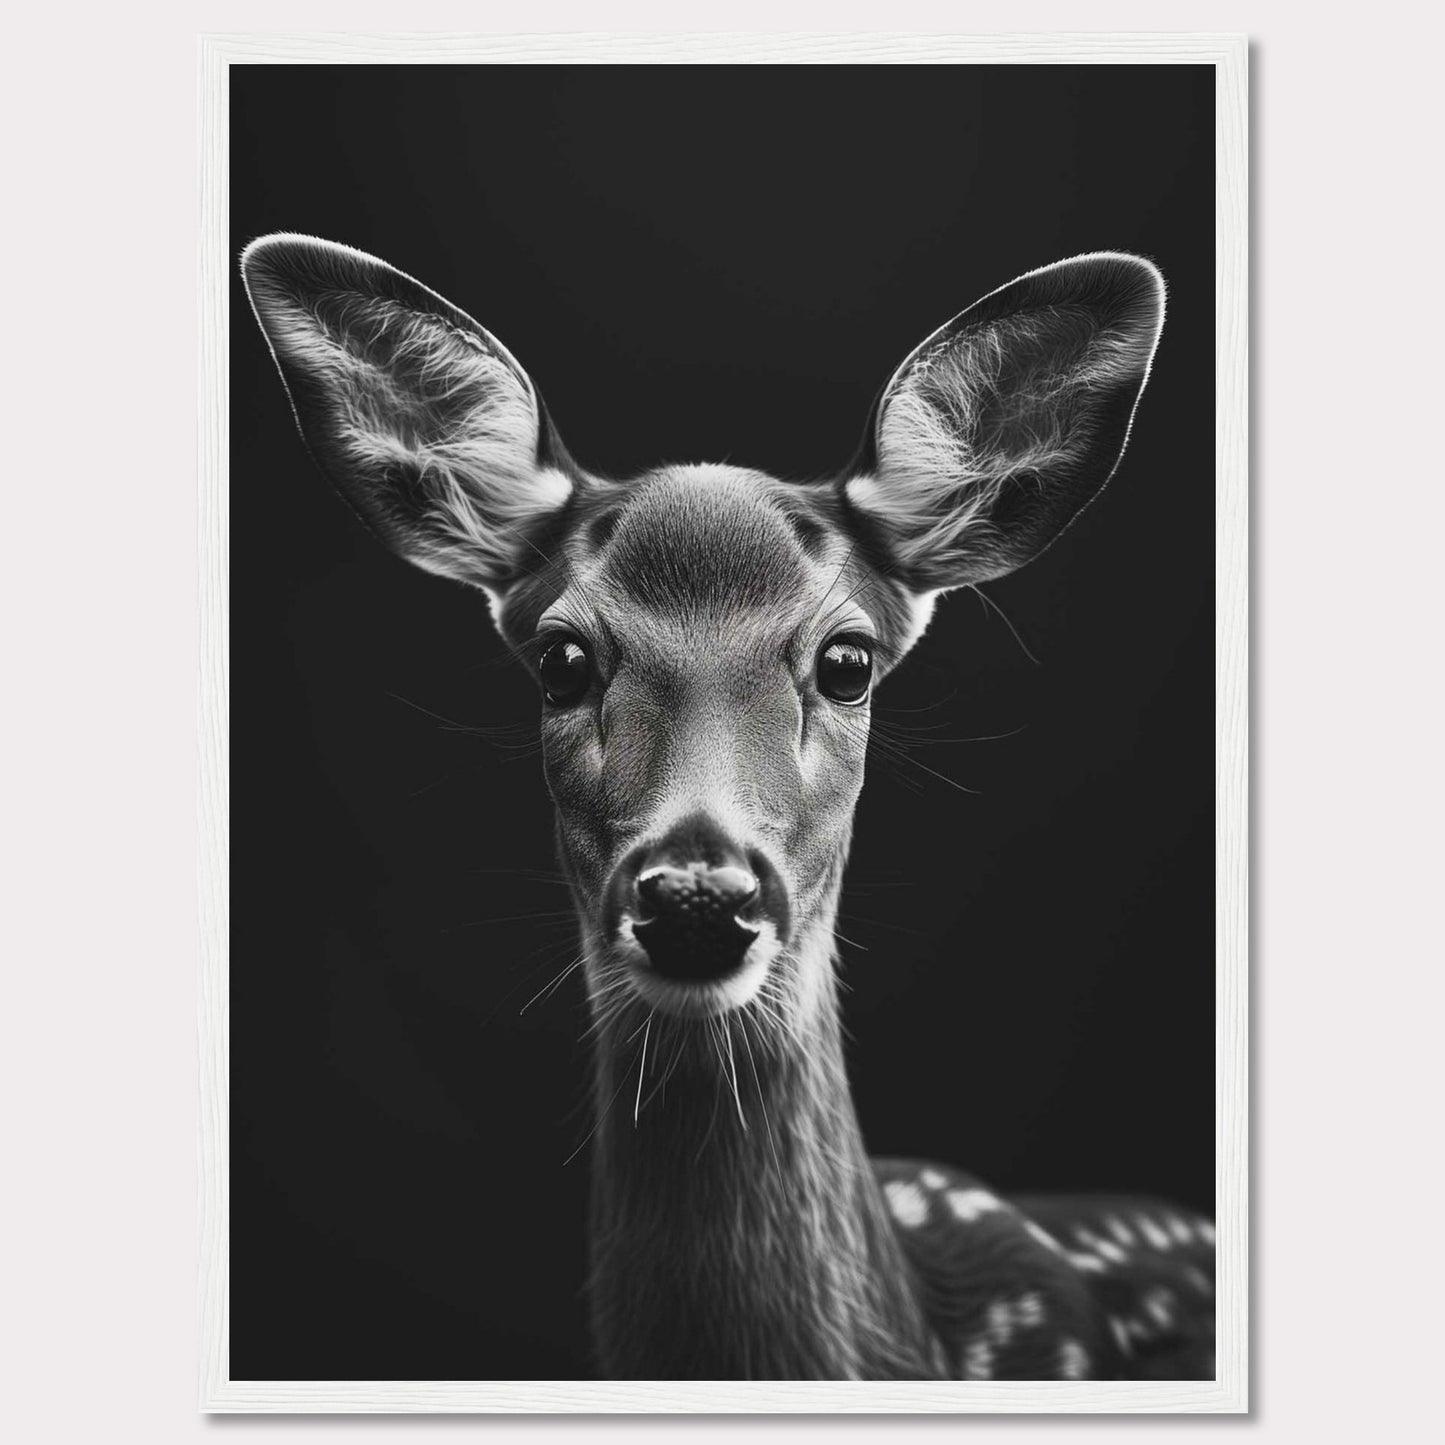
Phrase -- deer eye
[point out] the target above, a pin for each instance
(845, 670)
(566, 672)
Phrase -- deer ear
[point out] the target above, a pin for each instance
(1003, 425)
(420, 419)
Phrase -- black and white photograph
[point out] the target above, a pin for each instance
(720, 722)
(723, 789)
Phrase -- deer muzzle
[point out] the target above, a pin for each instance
(697, 901)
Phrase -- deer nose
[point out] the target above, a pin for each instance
(689, 917)
(697, 890)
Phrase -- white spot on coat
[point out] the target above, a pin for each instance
(1073, 1360)
(1199, 1279)
(1159, 1306)
(1004, 1317)
(907, 1201)
(978, 1361)
(1119, 1229)
(1121, 1335)
(1181, 1231)
(968, 1204)
(1151, 1232)
(1000, 1323)
(1043, 1237)
(933, 1179)
(1104, 1248)
(1206, 1231)
(1089, 1263)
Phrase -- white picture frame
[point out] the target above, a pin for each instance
(1228, 1392)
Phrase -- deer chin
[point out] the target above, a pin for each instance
(694, 1000)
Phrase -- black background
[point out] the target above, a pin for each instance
(700, 264)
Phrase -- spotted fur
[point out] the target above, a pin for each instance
(1056, 1287)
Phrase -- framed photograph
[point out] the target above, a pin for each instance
(724, 846)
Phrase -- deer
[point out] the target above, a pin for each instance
(707, 640)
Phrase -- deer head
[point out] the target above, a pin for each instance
(707, 638)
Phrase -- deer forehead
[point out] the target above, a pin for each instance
(706, 541)
(716, 561)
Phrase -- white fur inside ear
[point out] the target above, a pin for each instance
(412, 396)
(997, 404)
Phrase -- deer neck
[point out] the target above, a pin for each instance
(744, 1235)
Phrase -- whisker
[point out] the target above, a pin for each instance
(927, 707)
(661, 1084)
(911, 734)
(989, 602)
(550, 918)
(602, 1114)
(471, 729)
(853, 547)
(762, 1104)
(550, 950)
(880, 923)
(716, 1100)
(660, 1087)
(532, 875)
(865, 585)
(552, 987)
(642, 1071)
(898, 753)
(733, 1069)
